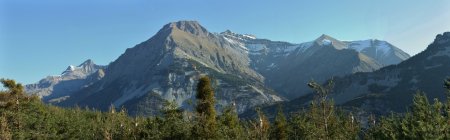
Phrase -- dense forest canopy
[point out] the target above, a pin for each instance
(26, 117)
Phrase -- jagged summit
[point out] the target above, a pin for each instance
(88, 62)
(439, 48)
(242, 37)
(227, 32)
(442, 38)
(87, 67)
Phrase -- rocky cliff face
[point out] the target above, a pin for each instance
(247, 71)
(168, 65)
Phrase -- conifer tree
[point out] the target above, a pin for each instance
(299, 124)
(387, 128)
(173, 125)
(13, 99)
(206, 127)
(425, 121)
(230, 127)
(12, 87)
(280, 127)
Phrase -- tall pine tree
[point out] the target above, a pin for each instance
(206, 127)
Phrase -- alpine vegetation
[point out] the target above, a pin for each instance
(26, 117)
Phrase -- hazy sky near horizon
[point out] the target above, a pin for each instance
(42, 37)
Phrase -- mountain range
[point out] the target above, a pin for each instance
(247, 71)
(389, 89)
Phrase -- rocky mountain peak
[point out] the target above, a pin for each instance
(88, 62)
(70, 68)
(326, 40)
(227, 32)
(241, 37)
(439, 47)
(192, 27)
(85, 68)
(442, 38)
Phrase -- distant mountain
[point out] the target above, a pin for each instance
(382, 51)
(247, 71)
(59, 87)
(287, 67)
(390, 88)
(325, 57)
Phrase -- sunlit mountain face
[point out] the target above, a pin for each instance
(225, 70)
(247, 71)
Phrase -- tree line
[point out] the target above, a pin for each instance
(26, 117)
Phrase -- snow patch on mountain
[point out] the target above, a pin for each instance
(382, 48)
(236, 43)
(249, 36)
(326, 42)
(256, 47)
(305, 46)
(240, 37)
(360, 45)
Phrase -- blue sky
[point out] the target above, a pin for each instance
(41, 38)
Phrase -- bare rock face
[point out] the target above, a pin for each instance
(246, 71)
(168, 66)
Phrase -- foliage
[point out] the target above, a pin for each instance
(424, 121)
(321, 120)
(230, 127)
(206, 127)
(280, 126)
(26, 117)
(259, 128)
